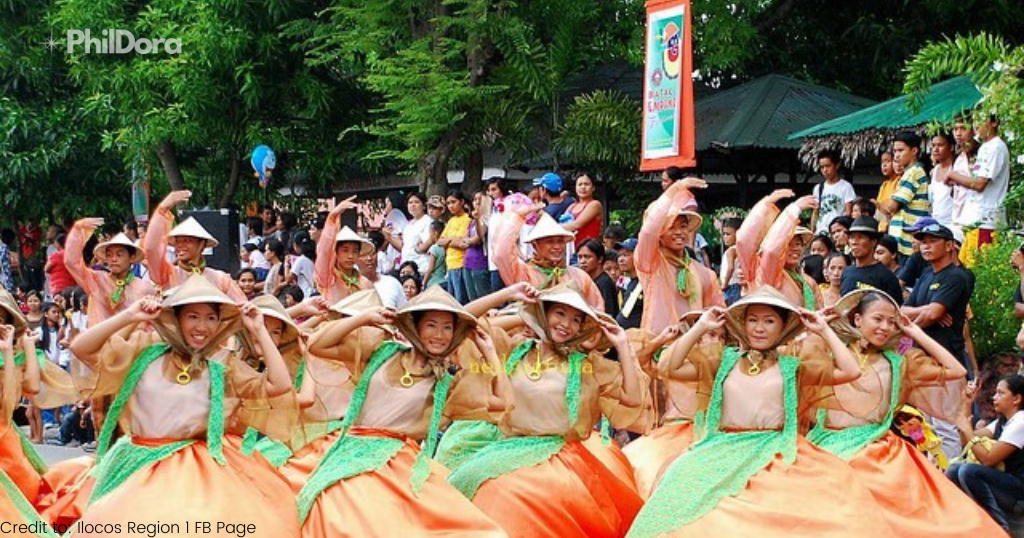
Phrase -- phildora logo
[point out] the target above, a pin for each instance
(120, 42)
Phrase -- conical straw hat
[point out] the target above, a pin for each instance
(119, 240)
(547, 227)
(434, 299)
(192, 228)
(765, 295)
(347, 235)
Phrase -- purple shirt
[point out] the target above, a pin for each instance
(476, 259)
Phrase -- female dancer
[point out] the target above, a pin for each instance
(913, 496)
(540, 480)
(753, 473)
(178, 390)
(375, 480)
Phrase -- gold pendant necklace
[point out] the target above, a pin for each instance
(406, 379)
(755, 366)
(537, 371)
(184, 376)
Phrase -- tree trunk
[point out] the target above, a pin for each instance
(433, 169)
(229, 192)
(169, 160)
(473, 177)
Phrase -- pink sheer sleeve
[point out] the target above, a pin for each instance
(506, 246)
(323, 267)
(160, 270)
(75, 262)
(751, 233)
(773, 249)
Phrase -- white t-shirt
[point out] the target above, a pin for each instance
(303, 271)
(1013, 432)
(940, 196)
(390, 291)
(833, 201)
(962, 165)
(414, 233)
(258, 261)
(493, 221)
(396, 221)
(993, 163)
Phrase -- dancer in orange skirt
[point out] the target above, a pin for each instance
(375, 480)
(753, 473)
(178, 393)
(675, 420)
(915, 497)
(540, 480)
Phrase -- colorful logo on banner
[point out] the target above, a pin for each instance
(662, 102)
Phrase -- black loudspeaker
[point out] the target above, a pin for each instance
(223, 225)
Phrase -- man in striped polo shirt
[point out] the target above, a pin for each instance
(909, 201)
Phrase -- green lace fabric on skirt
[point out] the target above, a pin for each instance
(350, 455)
(464, 439)
(722, 463)
(278, 453)
(30, 451)
(501, 458)
(846, 443)
(124, 459)
(25, 508)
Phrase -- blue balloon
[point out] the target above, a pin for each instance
(263, 162)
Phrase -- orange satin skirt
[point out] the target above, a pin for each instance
(916, 498)
(381, 503)
(14, 462)
(65, 490)
(649, 454)
(302, 463)
(612, 457)
(189, 486)
(817, 496)
(573, 494)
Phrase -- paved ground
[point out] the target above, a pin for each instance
(52, 454)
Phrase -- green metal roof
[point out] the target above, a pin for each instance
(762, 113)
(942, 103)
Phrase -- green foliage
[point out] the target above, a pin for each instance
(602, 131)
(994, 328)
(997, 68)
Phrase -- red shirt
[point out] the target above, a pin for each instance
(590, 230)
(60, 277)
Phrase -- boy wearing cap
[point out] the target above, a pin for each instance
(631, 298)
(109, 292)
(866, 271)
(770, 245)
(547, 266)
(189, 239)
(665, 267)
(551, 189)
(337, 253)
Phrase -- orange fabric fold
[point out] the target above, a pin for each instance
(817, 496)
(572, 494)
(14, 462)
(649, 454)
(917, 499)
(65, 490)
(190, 486)
(381, 503)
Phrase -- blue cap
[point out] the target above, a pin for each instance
(628, 244)
(921, 224)
(550, 181)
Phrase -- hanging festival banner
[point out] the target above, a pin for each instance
(668, 123)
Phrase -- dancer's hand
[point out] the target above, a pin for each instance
(712, 319)
(814, 321)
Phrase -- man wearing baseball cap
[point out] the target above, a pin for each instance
(866, 271)
(551, 189)
(631, 297)
(189, 239)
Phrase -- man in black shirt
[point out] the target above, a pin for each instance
(590, 258)
(866, 271)
(632, 295)
(942, 289)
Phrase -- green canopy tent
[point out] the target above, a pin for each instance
(869, 130)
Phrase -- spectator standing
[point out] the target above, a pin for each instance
(478, 280)
(395, 221)
(967, 151)
(456, 229)
(631, 297)
(437, 267)
(6, 271)
(834, 194)
(940, 193)
(987, 187)
(414, 240)
(587, 212)
(392, 295)
(493, 213)
(556, 200)
(909, 202)
(867, 271)
(591, 261)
